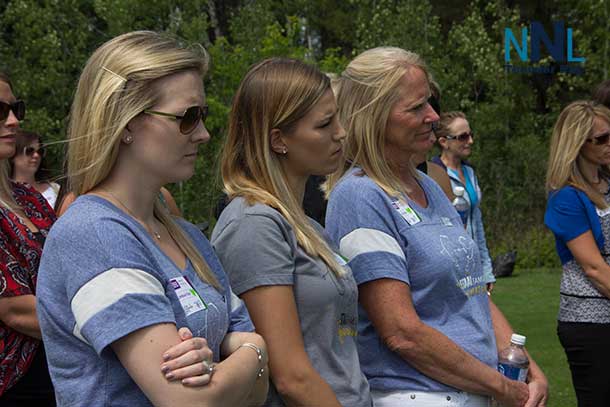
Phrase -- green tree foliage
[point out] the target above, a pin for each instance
(45, 43)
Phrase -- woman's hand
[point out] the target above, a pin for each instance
(190, 361)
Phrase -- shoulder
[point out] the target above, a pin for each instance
(93, 222)
(239, 213)
(567, 195)
(354, 186)
(34, 205)
(432, 187)
(437, 161)
(26, 195)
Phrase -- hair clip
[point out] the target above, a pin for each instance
(115, 74)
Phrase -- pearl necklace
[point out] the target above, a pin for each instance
(149, 229)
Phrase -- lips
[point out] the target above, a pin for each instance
(9, 137)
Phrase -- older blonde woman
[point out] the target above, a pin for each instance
(118, 273)
(284, 128)
(428, 333)
(578, 213)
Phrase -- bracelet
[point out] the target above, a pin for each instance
(259, 355)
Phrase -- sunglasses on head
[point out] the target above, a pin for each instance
(601, 139)
(29, 151)
(461, 137)
(188, 120)
(18, 109)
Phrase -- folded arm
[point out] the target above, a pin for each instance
(141, 353)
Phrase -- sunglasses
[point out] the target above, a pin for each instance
(601, 139)
(18, 109)
(188, 120)
(29, 151)
(461, 137)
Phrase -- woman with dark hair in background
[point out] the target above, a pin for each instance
(27, 165)
(25, 220)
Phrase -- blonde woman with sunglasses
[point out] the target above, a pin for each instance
(578, 213)
(119, 274)
(455, 138)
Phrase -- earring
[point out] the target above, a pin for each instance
(284, 150)
(128, 139)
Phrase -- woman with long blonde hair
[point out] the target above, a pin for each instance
(25, 219)
(428, 332)
(118, 273)
(578, 213)
(283, 128)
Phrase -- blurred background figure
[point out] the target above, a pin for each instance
(27, 165)
(601, 93)
(455, 138)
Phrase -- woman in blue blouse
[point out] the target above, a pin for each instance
(578, 213)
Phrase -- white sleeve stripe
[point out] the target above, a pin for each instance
(236, 302)
(364, 240)
(109, 287)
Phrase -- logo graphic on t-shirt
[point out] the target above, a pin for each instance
(463, 257)
(347, 326)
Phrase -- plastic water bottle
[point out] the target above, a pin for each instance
(461, 204)
(512, 361)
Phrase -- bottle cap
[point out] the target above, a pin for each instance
(517, 339)
(458, 191)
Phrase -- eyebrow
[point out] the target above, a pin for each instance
(419, 101)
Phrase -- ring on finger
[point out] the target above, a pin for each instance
(208, 367)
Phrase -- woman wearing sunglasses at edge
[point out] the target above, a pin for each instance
(27, 165)
(428, 333)
(455, 139)
(578, 213)
(283, 128)
(25, 219)
(118, 274)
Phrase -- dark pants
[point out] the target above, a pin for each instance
(34, 388)
(587, 346)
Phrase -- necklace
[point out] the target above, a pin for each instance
(149, 229)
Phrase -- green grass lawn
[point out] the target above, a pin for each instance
(530, 299)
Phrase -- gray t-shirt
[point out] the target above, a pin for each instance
(258, 247)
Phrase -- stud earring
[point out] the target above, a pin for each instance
(284, 150)
(128, 139)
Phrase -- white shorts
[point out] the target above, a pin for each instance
(407, 398)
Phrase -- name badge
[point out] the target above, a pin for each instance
(406, 212)
(189, 299)
(602, 212)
